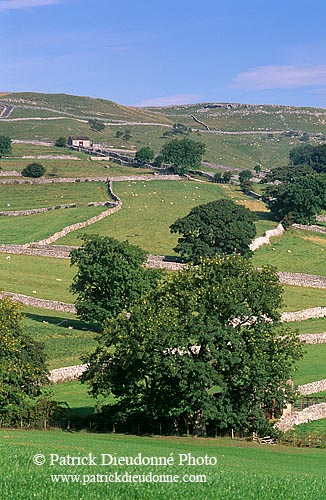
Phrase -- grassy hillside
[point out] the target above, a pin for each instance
(238, 135)
(247, 117)
(78, 106)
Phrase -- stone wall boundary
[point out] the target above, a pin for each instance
(41, 303)
(313, 227)
(265, 240)
(92, 220)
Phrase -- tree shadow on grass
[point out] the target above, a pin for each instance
(59, 321)
(265, 216)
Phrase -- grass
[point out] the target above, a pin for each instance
(316, 428)
(314, 325)
(148, 210)
(65, 339)
(76, 396)
(25, 197)
(312, 366)
(243, 471)
(37, 276)
(295, 251)
(297, 298)
(80, 164)
(32, 228)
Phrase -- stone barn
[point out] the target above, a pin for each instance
(80, 141)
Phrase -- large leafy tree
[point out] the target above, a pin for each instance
(22, 363)
(314, 156)
(205, 350)
(219, 227)
(110, 277)
(5, 145)
(145, 154)
(299, 201)
(183, 154)
(287, 174)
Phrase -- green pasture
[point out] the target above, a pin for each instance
(148, 209)
(41, 277)
(243, 471)
(65, 339)
(244, 151)
(295, 251)
(31, 228)
(28, 196)
(315, 428)
(79, 165)
(314, 325)
(312, 366)
(75, 394)
(297, 298)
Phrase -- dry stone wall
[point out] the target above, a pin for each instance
(312, 388)
(314, 412)
(42, 303)
(316, 229)
(265, 240)
(315, 312)
(66, 373)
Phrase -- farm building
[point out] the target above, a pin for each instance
(80, 141)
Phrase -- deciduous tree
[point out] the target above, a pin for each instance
(219, 227)
(299, 201)
(183, 154)
(110, 277)
(5, 145)
(145, 154)
(22, 362)
(204, 352)
(33, 170)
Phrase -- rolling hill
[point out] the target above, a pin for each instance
(238, 135)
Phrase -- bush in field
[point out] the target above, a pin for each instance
(34, 170)
(22, 364)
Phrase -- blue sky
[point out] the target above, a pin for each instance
(160, 52)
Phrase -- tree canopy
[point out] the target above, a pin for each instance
(219, 227)
(183, 154)
(22, 362)
(33, 170)
(110, 277)
(314, 156)
(203, 352)
(299, 201)
(61, 142)
(5, 145)
(96, 125)
(287, 173)
(145, 154)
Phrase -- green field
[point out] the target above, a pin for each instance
(65, 339)
(312, 366)
(315, 428)
(238, 149)
(41, 277)
(148, 210)
(314, 325)
(32, 228)
(297, 298)
(295, 251)
(25, 197)
(242, 471)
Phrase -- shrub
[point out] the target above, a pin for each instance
(34, 170)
